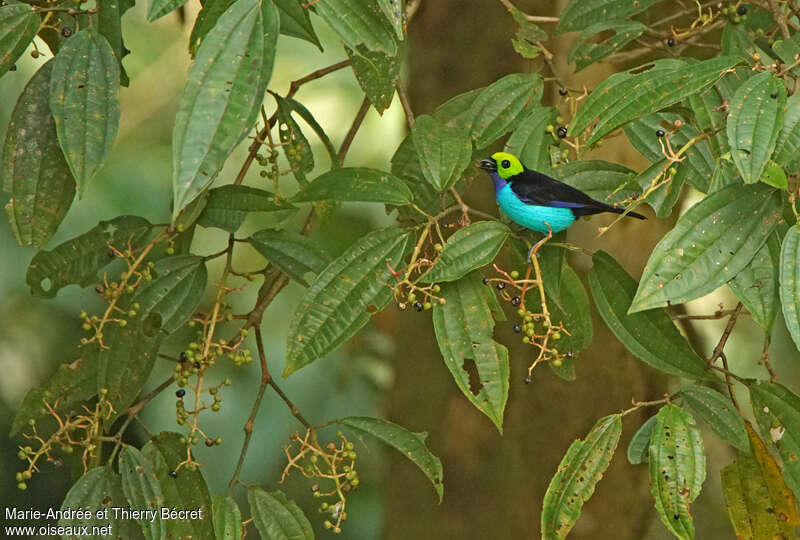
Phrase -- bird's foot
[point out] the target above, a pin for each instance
(540, 243)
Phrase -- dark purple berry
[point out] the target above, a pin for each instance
(515, 301)
(741, 10)
(110, 253)
(418, 306)
(670, 42)
(173, 474)
(660, 133)
(180, 392)
(774, 95)
(183, 357)
(561, 131)
(562, 91)
(527, 380)
(197, 365)
(486, 281)
(209, 442)
(517, 328)
(66, 31)
(501, 286)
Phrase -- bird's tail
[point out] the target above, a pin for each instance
(622, 211)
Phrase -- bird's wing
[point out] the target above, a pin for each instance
(536, 188)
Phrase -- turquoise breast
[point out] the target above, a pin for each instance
(533, 216)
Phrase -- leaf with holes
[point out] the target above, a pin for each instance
(677, 468)
(711, 243)
(718, 411)
(587, 50)
(227, 518)
(99, 489)
(580, 470)
(754, 123)
(443, 152)
(359, 22)
(790, 282)
(18, 26)
(79, 259)
(222, 96)
(141, 488)
(34, 170)
(760, 504)
(777, 411)
(276, 517)
(530, 139)
(757, 285)
(84, 100)
(464, 327)
(628, 95)
(580, 14)
(377, 73)
(344, 296)
(650, 336)
(408, 443)
(468, 249)
(356, 184)
(295, 145)
(501, 105)
(228, 206)
(639, 447)
(293, 253)
(290, 105)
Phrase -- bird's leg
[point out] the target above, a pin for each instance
(540, 243)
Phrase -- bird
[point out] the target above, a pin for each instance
(538, 202)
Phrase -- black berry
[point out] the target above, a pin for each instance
(527, 380)
(562, 91)
(197, 365)
(515, 301)
(183, 357)
(561, 131)
(501, 286)
(660, 133)
(66, 31)
(741, 10)
(774, 95)
(209, 442)
(517, 328)
(180, 392)
(418, 306)
(486, 281)
(670, 42)
(173, 474)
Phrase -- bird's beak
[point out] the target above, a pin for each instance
(488, 165)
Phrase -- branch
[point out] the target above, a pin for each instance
(351, 134)
(403, 95)
(718, 350)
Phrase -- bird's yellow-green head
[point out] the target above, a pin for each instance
(504, 164)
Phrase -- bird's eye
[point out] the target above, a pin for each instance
(505, 164)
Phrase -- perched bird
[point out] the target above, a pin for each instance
(538, 202)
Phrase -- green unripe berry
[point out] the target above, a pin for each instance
(556, 335)
(22, 486)
(22, 455)
(514, 274)
(328, 524)
(412, 297)
(354, 482)
(123, 323)
(550, 128)
(86, 326)
(557, 362)
(170, 250)
(526, 339)
(427, 305)
(215, 407)
(19, 477)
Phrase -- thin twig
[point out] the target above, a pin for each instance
(351, 134)
(404, 101)
(765, 359)
(728, 375)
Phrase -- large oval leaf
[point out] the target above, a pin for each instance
(228, 206)
(359, 22)
(141, 487)
(677, 468)
(754, 122)
(344, 296)
(227, 518)
(377, 73)
(711, 243)
(530, 140)
(790, 282)
(718, 411)
(582, 13)
(639, 447)
(443, 151)
(464, 327)
(651, 336)
(601, 180)
(356, 184)
(84, 100)
(34, 170)
(580, 470)
(616, 33)
(294, 254)
(467, 249)
(757, 285)
(99, 490)
(18, 26)
(625, 96)
(499, 107)
(408, 443)
(222, 97)
(276, 517)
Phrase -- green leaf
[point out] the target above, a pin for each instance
(711, 243)
(408, 443)
(100, 489)
(377, 73)
(586, 51)
(639, 447)
(141, 487)
(464, 327)
(158, 8)
(790, 282)
(777, 411)
(677, 468)
(79, 259)
(295, 145)
(569, 308)
(718, 411)
(294, 254)
(754, 122)
(628, 95)
(109, 24)
(359, 22)
(73, 383)
(651, 336)
(502, 104)
(356, 184)
(582, 13)
(211, 11)
(186, 491)
(443, 151)
(760, 505)
(601, 180)
(787, 50)
(84, 100)
(527, 36)
(788, 144)
(395, 12)
(295, 21)
(276, 517)
(757, 285)
(709, 114)
(229, 205)
(530, 139)
(18, 26)
(406, 166)
(227, 518)
(663, 198)
(774, 175)
(344, 296)
(305, 114)
(580, 470)
(174, 292)
(456, 111)
(468, 249)
(222, 97)
(34, 170)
